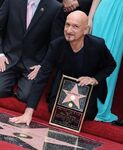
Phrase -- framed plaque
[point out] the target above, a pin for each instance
(71, 104)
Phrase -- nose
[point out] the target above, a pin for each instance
(69, 29)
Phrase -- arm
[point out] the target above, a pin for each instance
(84, 5)
(107, 65)
(46, 66)
(94, 6)
(43, 75)
(70, 5)
(40, 82)
(3, 21)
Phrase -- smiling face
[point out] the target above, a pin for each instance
(75, 26)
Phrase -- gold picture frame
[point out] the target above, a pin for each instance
(70, 104)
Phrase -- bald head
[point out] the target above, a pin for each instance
(76, 26)
(79, 17)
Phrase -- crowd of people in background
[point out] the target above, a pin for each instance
(26, 60)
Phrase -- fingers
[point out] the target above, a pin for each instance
(70, 5)
(87, 81)
(6, 60)
(28, 122)
(17, 119)
(83, 81)
(2, 66)
(32, 75)
(3, 62)
(69, 8)
(14, 119)
(21, 119)
(33, 67)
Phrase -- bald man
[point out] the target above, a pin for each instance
(78, 55)
(68, 7)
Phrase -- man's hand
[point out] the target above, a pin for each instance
(70, 5)
(87, 80)
(24, 118)
(32, 75)
(3, 62)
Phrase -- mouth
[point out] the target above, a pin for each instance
(68, 34)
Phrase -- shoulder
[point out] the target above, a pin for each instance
(13, 4)
(54, 3)
(58, 44)
(96, 44)
(59, 41)
(53, 7)
(55, 49)
(94, 40)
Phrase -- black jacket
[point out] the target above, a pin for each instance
(95, 61)
(17, 42)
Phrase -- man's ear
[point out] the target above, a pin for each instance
(87, 29)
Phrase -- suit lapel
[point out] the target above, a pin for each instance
(23, 10)
(39, 12)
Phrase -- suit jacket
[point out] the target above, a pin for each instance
(17, 42)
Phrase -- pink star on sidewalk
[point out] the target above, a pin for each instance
(73, 96)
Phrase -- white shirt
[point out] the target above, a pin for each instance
(34, 7)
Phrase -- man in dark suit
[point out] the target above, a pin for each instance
(78, 55)
(22, 47)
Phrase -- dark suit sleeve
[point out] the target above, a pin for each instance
(58, 24)
(42, 77)
(107, 64)
(3, 21)
(48, 63)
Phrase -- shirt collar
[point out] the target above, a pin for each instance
(36, 1)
